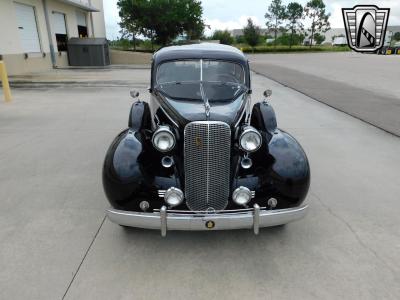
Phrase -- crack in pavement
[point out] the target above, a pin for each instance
(83, 259)
(354, 232)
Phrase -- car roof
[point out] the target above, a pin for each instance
(200, 51)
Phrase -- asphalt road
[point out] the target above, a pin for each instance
(56, 243)
(365, 86)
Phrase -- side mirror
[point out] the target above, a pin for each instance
(134, 93)
(267, 93)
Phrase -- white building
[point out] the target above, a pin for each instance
(33, 33)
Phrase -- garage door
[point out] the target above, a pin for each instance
(28, 32)
(81, 18)
(60, 30)
(59, 23)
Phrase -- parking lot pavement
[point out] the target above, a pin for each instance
(55, 241)
(362, 85)
(112, 76)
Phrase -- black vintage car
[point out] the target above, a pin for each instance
(200, 156)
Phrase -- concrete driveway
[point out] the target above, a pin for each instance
(365, 86)
(56, 243)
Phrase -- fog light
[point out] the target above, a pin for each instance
(241, 196)
(173, 196)
(144, 205)
(272, 203)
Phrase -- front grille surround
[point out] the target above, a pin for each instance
(207, 153)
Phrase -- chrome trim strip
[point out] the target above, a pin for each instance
(205, 212)
(174, 221)
(240, 118)
(168, 116)
(161, 193)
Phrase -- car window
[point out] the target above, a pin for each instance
(200, 70)
(222, 71)
(179, 71)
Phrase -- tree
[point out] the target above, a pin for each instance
(319, 38)
(251, 33)
(290, 39)
(224, 37)
(396, 36)
(193, 24)
(128, 31)
(240, 39)
(275, 16)
(294, 13)
(315, 10)
(162, 20)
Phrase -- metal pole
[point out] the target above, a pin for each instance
(91, 19)
(4, 80)
(46, 16)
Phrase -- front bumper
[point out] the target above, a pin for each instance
(164, 219)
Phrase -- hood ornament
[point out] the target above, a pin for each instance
(207, 106)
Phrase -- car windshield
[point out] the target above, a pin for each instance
(184, 79)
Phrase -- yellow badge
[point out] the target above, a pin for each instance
(210, 224)
(198, 141)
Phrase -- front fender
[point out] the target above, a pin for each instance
(290, 171)
(132, 172)
(263, 118)
(125, 170)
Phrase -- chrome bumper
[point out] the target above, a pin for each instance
(164, 219)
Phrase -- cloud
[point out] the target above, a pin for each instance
(220, 14)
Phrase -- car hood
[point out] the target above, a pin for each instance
(186, 111)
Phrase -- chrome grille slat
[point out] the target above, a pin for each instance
(207, 149)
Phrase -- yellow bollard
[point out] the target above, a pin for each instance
(4, 80)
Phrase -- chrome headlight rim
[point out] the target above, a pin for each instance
(248, 130)
(163, 130)
(241, 190)
(173, 191)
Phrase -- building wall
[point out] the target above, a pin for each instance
(98, 19)
(17, 62)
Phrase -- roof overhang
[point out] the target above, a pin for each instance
(82, 4)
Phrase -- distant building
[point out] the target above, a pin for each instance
(33, 33)
(330, 35)
(339, 41)
(337, 32)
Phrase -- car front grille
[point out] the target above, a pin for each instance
(207, 150)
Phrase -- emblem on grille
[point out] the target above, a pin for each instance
(198, 141)
(365, 27)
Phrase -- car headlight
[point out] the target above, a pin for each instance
(250, 139)
(241, 196)
(163, 139)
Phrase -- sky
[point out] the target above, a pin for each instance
(233, 14)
